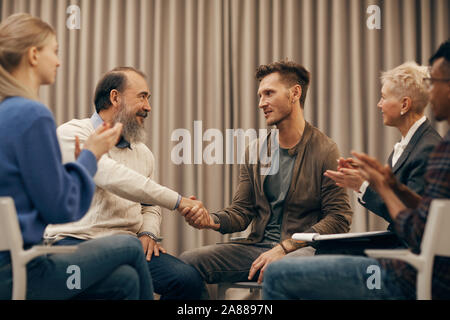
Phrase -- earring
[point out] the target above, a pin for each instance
(402, 113)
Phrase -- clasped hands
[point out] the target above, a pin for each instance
(195, 214)
(198, 216)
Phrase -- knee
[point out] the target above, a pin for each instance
(126, 283)
(187, 257)
(189, 281)
(191, 277)
(271, 272)
(192, 257)
(128, 243)
(127, 240)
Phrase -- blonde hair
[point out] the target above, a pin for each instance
(18, 33)
(406, 80)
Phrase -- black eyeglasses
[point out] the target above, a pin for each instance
(429, 81)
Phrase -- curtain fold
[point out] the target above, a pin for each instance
(200, 57)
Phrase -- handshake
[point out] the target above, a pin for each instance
(195, 213)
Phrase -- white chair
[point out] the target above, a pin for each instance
(435, 242)
(224, 286)
(11, 240)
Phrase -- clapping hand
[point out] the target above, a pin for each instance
(347, 175)
(372, 170)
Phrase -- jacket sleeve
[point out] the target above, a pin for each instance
(410, 223)
(61, 193)
(415, 180)
(335, 206)
(240, 213)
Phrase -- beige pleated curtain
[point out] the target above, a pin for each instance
(200, 57)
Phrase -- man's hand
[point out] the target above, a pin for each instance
(150, 247)
(196, 215)
(261, 263)
(346, 178)
(190, 202)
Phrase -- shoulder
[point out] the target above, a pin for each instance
(440, 157)
(79, 127)
(145, 151)
(427, 141)
(26, 108)
(20, 115)
(431, 136)
(320, 141)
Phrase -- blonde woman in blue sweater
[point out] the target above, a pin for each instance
(44, 190)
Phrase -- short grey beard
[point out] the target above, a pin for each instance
(132, 131)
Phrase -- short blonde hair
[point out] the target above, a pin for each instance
(406, 80)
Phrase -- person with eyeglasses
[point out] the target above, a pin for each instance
(429, 81)
(345, 277)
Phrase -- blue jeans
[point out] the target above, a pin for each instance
(329, 277)
(108, 268)
(172, 278)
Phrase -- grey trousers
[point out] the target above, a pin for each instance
(231, 262)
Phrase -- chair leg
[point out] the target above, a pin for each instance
(424, 280)
(19, 282)
(222, 290)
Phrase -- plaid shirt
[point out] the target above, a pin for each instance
(410, 225)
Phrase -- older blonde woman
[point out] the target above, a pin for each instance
(404, 97)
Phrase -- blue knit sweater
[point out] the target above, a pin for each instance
(31, 172)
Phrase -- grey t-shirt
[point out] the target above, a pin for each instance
(276, 188)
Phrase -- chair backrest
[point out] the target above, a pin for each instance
(10, 234)
(436, 238)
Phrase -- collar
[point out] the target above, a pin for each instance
(97, 121)
(405, 140)
(303, 140)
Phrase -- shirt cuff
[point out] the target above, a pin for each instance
(178, 202)
(88, 160)
(151, 235)
(362, 191)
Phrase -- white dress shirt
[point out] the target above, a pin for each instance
(399, 147)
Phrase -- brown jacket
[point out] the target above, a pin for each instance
(313, 203)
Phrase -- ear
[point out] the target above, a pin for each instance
(114, 98)
(296, 92)
(406, 105)
(32, 56)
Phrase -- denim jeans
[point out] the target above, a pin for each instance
(329, 277)
(172, 278)
(108, 268)
(225, 262)
(231, 262)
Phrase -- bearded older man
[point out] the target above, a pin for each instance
(127, 200)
